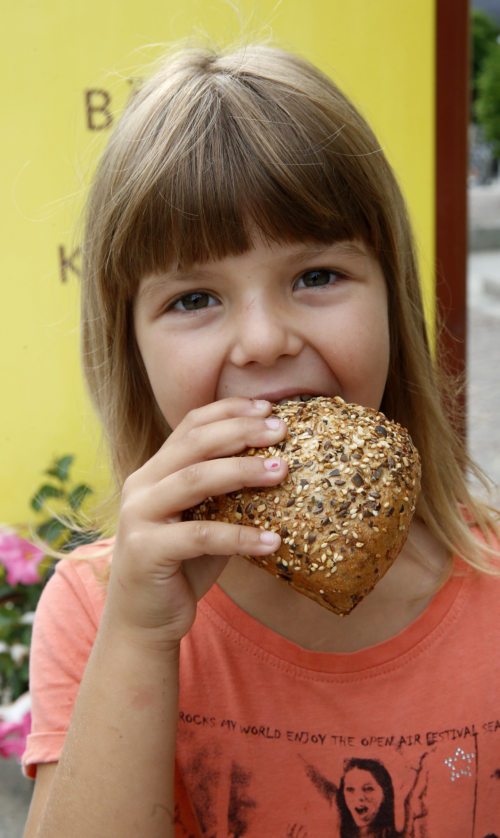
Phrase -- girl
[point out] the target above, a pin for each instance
(247, 242)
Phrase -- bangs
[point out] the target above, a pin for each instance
(242, 157)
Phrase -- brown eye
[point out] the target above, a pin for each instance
(318, 278)
(194, 301)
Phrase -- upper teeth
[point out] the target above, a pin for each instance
(299, 398)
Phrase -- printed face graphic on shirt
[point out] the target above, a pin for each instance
(363, 796)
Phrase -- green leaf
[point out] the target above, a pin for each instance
(25, 636)
(9, 620)
(61, 468)
(78, 495)
(488, 101)
(32, 594)
(44, 492)
(484, 32)
(51, 530)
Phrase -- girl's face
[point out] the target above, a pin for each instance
(363, 796)
(278, 321)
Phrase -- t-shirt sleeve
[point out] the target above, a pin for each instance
(64, 631)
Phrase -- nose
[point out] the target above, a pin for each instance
(263, 333)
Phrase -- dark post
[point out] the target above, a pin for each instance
(452, 117)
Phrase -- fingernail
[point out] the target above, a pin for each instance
(261, 404)
(272, 539)
(273, 422)
(272, 463)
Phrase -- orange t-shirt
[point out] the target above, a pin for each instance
(275, 741)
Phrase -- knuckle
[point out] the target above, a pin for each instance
(132, 542)
(130, 499)
(192, 439)
(126, 506)
(243, 465)
(241, 538)
(249, 469)
(202, 533)
(128, 486)
(233, 407)
(250, 426)
(191, 474)
(190, 420)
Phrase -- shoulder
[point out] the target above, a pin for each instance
(482, 577)
(64, 631)
(76, 592)
(487, 538)
(87, 568)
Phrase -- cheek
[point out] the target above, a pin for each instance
(374, 334)
(366, 351)
(181, 379)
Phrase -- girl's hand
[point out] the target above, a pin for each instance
(161, 564)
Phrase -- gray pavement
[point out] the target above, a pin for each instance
(483, 344)
(15, 796)
(483, 364)
(483, 393)
(484, 216)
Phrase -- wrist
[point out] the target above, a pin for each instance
(145, 643)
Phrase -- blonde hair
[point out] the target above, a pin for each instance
(216, 145)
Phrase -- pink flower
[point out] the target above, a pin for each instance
(19, 558)
(15, 725)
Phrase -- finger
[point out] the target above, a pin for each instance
(192, 485)
(217, 439)
(189, 539)
(223, 409)
(171, 545)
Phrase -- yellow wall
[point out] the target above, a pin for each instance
(380, 51)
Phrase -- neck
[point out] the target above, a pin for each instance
(398, 599)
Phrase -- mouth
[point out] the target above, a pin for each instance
(282, 396)
(303, 397)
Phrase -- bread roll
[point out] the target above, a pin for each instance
(344, 510)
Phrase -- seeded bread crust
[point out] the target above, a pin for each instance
(344, 510)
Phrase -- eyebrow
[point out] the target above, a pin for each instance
(340, 248)
(153, 282)
(314, 251)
